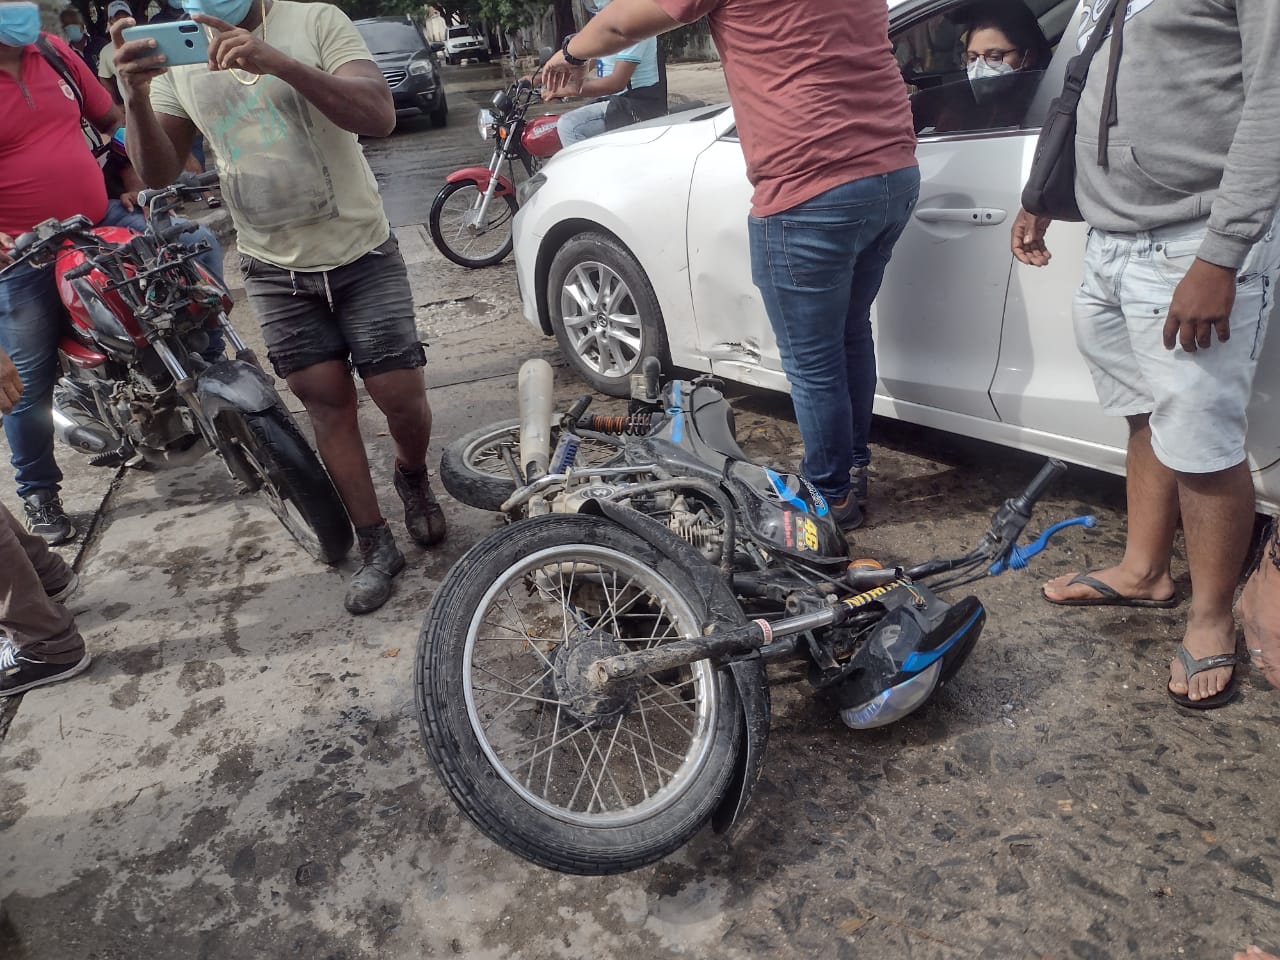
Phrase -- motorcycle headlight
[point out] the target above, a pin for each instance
(419, 68)
(895, 703)
(487, 125)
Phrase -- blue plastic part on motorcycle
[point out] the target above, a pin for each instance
(676, 413)
(923, 658)
(1018, 556)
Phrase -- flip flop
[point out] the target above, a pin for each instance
(1192, 666)
(1107, 596)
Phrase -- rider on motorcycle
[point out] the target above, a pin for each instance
(48, 171)
(631, 86)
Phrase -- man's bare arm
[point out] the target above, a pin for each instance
(622, 24)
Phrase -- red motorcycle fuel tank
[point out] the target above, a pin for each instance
(81, 324)
(541, 138)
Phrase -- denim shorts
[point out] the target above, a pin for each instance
(361, 313)
(1197, 402)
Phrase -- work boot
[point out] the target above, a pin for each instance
(846, 513)
(380, 561)
(859, 478)
(46, 518)
(422, 514)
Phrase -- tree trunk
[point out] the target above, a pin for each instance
(564, 19)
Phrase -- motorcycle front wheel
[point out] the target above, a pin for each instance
(273, 458)
(471, 245)
(569, 778)
(474, 471)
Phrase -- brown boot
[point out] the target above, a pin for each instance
(422, 514)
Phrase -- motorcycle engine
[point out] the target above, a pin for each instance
(696, 526)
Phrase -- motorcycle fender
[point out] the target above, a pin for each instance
(235, 385)
(748, 675)
(482, 176)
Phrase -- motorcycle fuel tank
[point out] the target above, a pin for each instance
(541, 137)
(788, 514)
(83, 325)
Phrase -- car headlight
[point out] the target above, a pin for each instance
(487, 125)
(419, 68)
(526, 190)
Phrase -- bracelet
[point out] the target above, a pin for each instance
(569, 58)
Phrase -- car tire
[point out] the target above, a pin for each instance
(634, 330)
(440, 115)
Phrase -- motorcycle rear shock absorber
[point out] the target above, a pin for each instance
(632, 425)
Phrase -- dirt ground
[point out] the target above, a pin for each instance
(240, 773)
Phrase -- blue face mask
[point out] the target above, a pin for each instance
(19, 24)
(74, 32)
(232, 11)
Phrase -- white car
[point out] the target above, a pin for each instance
(464, 42)
(635, 244)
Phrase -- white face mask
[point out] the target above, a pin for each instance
(981, 70)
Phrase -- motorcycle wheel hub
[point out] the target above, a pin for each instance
(588, 705)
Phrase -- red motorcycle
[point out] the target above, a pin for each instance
(136, 388)
(471, 217)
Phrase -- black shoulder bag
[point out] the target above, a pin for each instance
(1050, 190)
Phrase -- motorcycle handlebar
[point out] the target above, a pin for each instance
(1038, 485)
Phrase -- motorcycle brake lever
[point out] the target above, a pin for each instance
(1016, 557)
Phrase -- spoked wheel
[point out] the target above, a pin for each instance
(581, 780)
(269, 454)
(460, 236)
(474, 470)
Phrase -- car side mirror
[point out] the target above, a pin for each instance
(437, 46)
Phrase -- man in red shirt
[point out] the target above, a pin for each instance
(47, 169)
(826, 128)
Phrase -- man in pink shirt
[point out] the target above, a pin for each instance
(48, 170)
(826, 128)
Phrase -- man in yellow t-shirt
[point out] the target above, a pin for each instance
(287, 90)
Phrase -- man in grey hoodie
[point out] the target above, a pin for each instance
(1180, 186)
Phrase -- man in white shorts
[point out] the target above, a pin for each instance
(1180, 187)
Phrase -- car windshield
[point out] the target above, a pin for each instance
(385, 37)
(456, 33)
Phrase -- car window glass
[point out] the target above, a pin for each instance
(976, 65)
(390, 37)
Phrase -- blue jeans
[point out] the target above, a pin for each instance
(819, 266)
(582, 123)
(31, 323)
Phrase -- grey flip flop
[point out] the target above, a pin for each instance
(1107, 596)
(1192, 666)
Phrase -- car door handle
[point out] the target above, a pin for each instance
(978, 216)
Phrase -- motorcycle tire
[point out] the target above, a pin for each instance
(454, 247)
(294, 482)
(537, 820)
(473, 474)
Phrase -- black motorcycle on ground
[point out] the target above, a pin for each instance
(591, 679)
(135, 386)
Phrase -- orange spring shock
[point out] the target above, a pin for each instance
(634, 425)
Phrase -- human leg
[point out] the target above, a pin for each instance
(803, 262)
(374, 306)
(582, 124)
(39, 641)
(30, 324)
(1260, 607)
(903, 189)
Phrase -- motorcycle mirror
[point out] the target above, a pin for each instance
(545, 54)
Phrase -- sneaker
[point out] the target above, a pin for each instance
(20, 672)
(858, 477)
(46, 518)
(847, 514)
(67, 592)
(380, 561)
(422, 514)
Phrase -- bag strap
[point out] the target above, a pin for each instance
(1078, 68)
(60, 67)
(1108, 112)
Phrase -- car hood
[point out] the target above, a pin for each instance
(647, 131)
(396, 60)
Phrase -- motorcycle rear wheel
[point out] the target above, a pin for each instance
(275, 459)
(451, 236)
(473, 471)
(578, 784)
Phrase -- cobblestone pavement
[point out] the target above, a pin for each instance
(240, 773)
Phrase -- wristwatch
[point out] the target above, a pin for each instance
(569, 58)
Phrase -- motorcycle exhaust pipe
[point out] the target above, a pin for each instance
(87, 437)
(535, 418)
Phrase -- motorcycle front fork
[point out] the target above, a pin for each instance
(477, 218)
